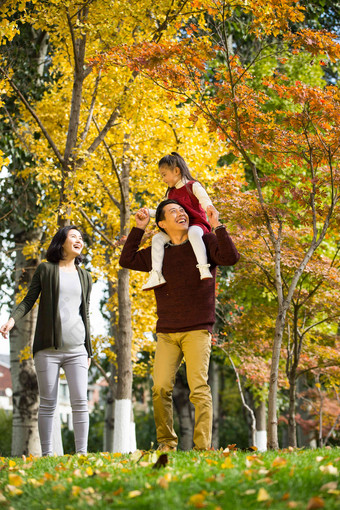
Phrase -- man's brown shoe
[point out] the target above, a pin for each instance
(163, 447)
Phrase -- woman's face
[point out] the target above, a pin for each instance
(73, 244)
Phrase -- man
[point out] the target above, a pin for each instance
(186, 314)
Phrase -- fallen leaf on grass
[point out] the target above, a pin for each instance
(76, 490)
(329, 469)
(14, 491)
(134, 494)
(315, 503)
(293, 504)
(198, 500)
(2, 498)
(279, 462)
(232, 447)
(249, 492)
(211, 461)
(58, 488)
(15, 480)
(34, 482)
(263, 495)
(136, 456)
(329, 486)
(227, 464)
(162, 482)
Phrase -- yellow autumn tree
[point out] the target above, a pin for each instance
(96, 138)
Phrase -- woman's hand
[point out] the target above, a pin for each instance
(89, 362)
(6, 328)
(142, 218)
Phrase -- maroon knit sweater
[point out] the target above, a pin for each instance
(185, 302)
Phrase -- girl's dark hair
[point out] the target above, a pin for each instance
(174, 159)
(55, 250)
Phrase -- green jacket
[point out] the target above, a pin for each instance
(45, 282)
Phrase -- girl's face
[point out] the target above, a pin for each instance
(73, 244)
(169, 175)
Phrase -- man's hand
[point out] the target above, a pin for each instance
(142, 218)
(213, 216)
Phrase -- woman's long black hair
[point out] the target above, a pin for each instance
(55, 250)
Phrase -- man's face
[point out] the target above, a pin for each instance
(175, 219)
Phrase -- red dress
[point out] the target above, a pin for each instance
(189, 201)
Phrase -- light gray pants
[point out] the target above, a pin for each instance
(75, 365)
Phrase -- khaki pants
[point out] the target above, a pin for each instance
(195, 347)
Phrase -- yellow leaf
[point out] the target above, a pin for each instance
(76, 490)
(198, 500)
(134, 494)
(15, 480)
(227, 464)
(58, 488)
(136, 455)
(162, 482)
(34, 482)
(279, 462)
(14, 491)
(263, 495)
(89, 471)
(11, 463)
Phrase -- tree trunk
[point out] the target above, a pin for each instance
(291, 413)
(112, 389)
(184, 409)
(214, 382)
(261, 426)
(123, 428)
(304, 438)
(273, 443)
(25, 438)
(109, 414)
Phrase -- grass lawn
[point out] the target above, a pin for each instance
(302, 479)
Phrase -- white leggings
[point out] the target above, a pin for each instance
(195, 234)
(47, 364)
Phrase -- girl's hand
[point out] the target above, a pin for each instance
(89, 362)
(6, 328)
(213, 216)
(142, 218)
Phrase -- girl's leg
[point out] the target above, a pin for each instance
(195, 235)
(76, 370)
(47, 365)
(156, 279)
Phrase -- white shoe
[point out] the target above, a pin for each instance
(156, 279)
(204, 271)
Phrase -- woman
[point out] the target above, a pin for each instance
(62, 335)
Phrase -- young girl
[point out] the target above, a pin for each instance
(192, 196)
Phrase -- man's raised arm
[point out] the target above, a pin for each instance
(131, 257)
